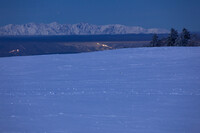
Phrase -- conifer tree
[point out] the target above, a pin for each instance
(172, 37)
(185, 37)
(154, 41)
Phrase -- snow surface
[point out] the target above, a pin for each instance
(141, 90)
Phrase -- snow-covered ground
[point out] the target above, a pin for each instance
(141, 90)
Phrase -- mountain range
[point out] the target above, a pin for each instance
(74, 29)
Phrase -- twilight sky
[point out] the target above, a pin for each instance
(145, 13)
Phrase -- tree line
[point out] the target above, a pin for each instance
(173, 39)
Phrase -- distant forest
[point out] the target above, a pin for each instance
(185, 38)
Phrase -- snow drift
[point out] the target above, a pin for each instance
(141, 90)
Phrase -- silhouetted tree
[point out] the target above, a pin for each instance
(185, 37)
(172, 37)
(155, 42)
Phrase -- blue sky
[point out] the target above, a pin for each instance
(145, 13)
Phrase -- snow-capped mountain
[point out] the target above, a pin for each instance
(74, 29)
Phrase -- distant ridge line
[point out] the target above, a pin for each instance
(75, 29)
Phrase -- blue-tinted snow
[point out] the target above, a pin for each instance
(141, 90)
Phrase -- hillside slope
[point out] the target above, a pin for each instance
(40, 45)
(141, 90)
